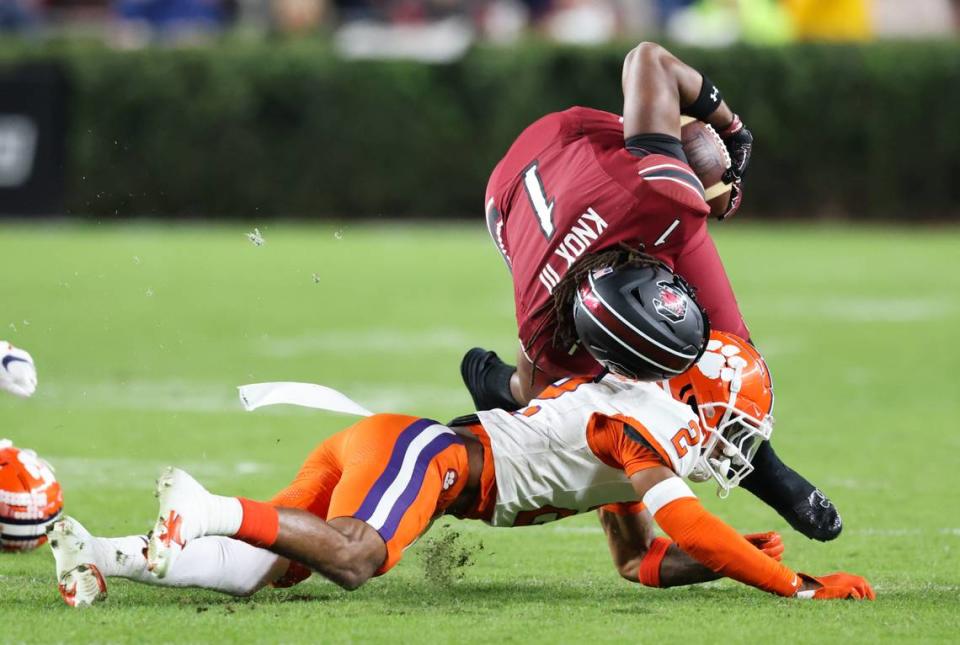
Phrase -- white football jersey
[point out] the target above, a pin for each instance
(545, 467)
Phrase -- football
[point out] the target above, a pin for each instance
(709, 158)
(30, 498)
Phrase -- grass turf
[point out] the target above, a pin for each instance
(141, 333)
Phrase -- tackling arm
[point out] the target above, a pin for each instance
(635, 548)
(642, 557)
(721, 549)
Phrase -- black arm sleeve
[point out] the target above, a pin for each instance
(642, 145)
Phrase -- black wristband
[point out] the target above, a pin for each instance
(707, 101)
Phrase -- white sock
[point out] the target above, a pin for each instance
(214, 562)
(225, 565)
(120, 557)
(224, 515)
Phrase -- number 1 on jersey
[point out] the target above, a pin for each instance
(542, 206)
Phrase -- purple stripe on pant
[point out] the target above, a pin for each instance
(412, 490)
(383, 482)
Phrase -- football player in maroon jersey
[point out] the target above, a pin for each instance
(582, 189)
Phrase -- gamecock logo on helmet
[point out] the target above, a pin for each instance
(671, 303)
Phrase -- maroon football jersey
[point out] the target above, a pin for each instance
(568, 186)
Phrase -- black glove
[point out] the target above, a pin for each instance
(739, 142)
(736, 196)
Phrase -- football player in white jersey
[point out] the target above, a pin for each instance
(366, 493)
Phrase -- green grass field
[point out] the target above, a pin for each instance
(141, 334)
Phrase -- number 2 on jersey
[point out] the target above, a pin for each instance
(542, 205)
(686, 438)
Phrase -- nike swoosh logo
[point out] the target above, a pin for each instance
(10, 358)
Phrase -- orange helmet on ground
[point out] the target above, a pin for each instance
(30, 498)
(731, 391)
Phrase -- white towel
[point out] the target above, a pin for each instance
(307, 395)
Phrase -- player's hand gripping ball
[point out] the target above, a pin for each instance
(739, 143)
(18, 374)
(710, 160)
(30, 498)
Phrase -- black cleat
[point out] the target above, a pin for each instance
(488, 380)
(799, 502)
(816, 517)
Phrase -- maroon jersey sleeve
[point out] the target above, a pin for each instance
(568, 186)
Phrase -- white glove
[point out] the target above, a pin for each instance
(18, 375)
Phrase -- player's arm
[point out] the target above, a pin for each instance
(717, 546)
(641, 556)
(658, 87)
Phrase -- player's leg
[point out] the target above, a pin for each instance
(495, 384)
(798, 501)
(189, 512)
(310, 491)
(388, 493)
(344, 550)
(491, 382)
(215, 562)
(394, 473)
(84, 562)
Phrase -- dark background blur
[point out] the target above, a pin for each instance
(381, 108)
(441, 23)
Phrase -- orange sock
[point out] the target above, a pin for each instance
(260, 524)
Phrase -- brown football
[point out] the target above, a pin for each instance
(709, 158)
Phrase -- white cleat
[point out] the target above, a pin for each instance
(182, 512)
(78, 577)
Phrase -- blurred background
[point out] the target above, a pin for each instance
(399, 108)
(432, 28)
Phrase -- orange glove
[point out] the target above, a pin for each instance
(838, 586)
(770, 543)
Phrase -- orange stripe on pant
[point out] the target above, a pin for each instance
(394, 472)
